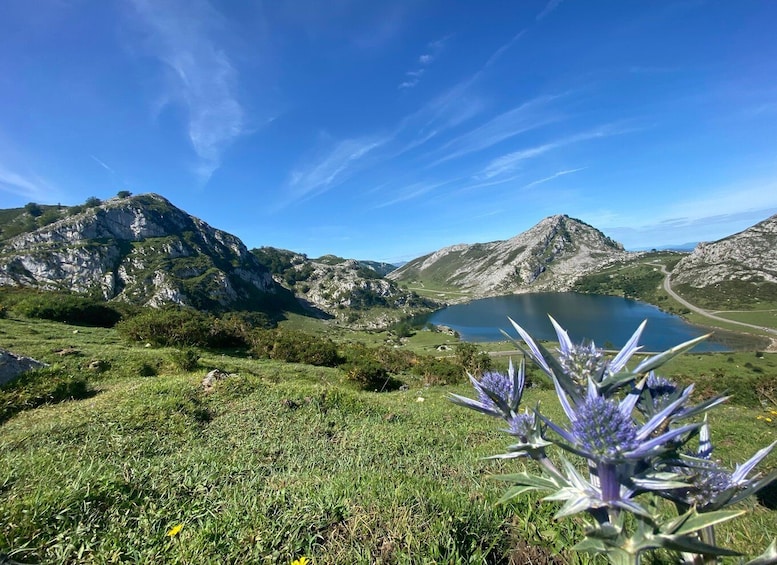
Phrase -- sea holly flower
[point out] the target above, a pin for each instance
(499, 395)
(626, 426)
(711, 487)
(659, 392)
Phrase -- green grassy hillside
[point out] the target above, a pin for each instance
(283, 460)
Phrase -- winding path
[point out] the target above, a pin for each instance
(700, 311)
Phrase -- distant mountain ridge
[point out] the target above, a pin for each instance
(550, 256)
(144, 250)
(342, 288)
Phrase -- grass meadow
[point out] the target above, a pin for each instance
(280, 461)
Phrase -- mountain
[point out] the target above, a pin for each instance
(740, 268)
(347, 289)
(139, 249)
(548, 257)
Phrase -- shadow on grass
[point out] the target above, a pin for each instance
(36, 388)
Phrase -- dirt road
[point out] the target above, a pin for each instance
(700, 311)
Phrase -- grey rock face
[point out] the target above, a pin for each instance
(140, 249)
(750, 255)
(12, 365)
(548, 257)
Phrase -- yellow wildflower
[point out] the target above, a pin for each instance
(769, 420)
(175, 530)
(301, 561)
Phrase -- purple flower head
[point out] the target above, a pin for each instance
(602, 430)
(662, 391)
(522, 426)
(582, 362)
(497, 383)
(706, 481)
(498, 394)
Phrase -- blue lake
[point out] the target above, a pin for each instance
(607, 320)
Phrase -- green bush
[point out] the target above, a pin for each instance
(295, 347)
(69, 308)
(169, 327)
(439, 371)
(35, 388)
(186, 327)
(370, 375)
(187, 359)
(471, 359)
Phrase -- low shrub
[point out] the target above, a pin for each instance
(186, 327)
(69, 308)
(439, 371)
(472, 359)
(295, 347)
(370, 375)
(168, 327)
(186, 359)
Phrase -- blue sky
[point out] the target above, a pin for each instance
(386, 130)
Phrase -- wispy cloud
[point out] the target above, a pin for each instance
(103, 164)
(433, 50)
(712, 214)
(529, 115)
(553, 177)
(413, 191)
(327, 172)
(29, 186)
(508, 163)
(204, 79)
(549, 7)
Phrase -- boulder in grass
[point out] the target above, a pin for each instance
(13, 365)
(212, 377)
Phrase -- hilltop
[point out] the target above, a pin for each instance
(548, 257)
(138, 249)
(734, 272)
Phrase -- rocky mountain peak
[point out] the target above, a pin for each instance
(549, 256)
(749, 256)
(140, 249)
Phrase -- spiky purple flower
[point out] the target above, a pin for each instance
(603, 430)
(582, 362)
(706, 481)
(497, 383)
(661, 390)
(522, 426)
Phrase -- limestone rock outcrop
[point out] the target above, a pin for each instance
(548, 257)
(142, 250)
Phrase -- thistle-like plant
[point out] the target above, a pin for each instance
(629, 430)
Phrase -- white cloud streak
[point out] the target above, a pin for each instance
(331, 170)
(103, 164)
(27, 186)
(549, 7)
(412, 191)
(553, 177)
(204, 79)
(528, 116)
(509, 162)
(433, 50)
(713, 214)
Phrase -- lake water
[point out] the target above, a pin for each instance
(607, 320)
